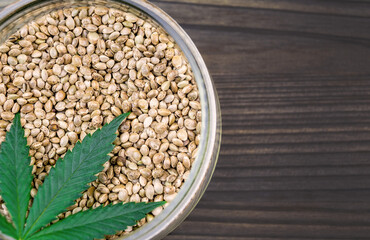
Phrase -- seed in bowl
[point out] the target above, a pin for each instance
(73, 70)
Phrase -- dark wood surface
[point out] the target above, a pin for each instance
(293, 78)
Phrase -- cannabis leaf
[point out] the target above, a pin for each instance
(15, 174)
(96, 223)
(71, 176)
(65, 183)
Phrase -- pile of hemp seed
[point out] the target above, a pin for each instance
(74, 70)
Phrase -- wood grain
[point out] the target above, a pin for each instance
(294, 87)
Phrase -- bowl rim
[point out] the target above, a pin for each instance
(208, 149)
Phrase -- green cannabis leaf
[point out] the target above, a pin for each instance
(64, 184)
(71, 176)
(96, 223)
(15, 174)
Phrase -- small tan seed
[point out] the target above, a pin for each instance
(164, 112)
(60, 96)
(27, 108)
(91, 28)
(160, 128)
(7, 116)
(19, 81)
(103, 198)
(190, 124)
(158, 158)
(133, 154)
(182, 134)
(70, 23)
(177, 61)
(53, 30)
(123, 195)
(93, 37)
(118, 188)
(100, 66)
(70, 68)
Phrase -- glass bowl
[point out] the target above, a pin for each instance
(19, 13)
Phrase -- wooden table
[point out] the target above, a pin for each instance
(293, 77)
